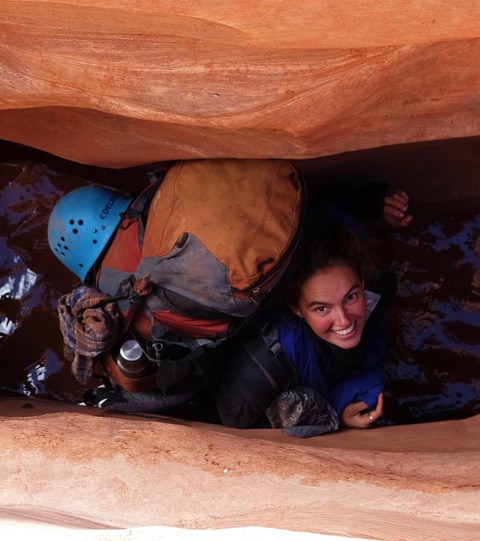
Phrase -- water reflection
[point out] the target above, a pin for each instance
(14, 290)
(434, 371)
(434, 368)
(31, 351)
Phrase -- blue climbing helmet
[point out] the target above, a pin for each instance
(82, 223)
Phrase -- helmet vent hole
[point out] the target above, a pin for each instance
(74, 230)
(80, 222)
(94, 241)
(71, 222)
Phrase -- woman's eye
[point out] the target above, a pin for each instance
(321, 309)
(353, 296)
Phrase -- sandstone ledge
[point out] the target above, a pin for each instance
(83, 466)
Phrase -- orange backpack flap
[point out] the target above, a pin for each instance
(221, 232)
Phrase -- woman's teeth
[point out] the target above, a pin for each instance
(345, 331)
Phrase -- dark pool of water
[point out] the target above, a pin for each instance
(434, 368)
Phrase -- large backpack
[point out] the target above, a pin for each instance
(214, 237)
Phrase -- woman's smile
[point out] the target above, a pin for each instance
(344, 332)
(333, 303)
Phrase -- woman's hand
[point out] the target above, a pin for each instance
(395, 208)
(357, 414)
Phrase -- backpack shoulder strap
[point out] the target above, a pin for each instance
(139, 209)
(256, 371)
(267, 352)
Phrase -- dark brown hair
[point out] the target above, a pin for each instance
(337, 245)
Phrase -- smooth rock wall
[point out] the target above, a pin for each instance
(117, 83)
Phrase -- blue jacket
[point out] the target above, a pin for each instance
(298, 343)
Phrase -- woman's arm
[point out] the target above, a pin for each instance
(358, 415)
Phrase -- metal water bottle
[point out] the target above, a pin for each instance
(131, 360)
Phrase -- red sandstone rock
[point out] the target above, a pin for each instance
(118, 83)
(418, 482)
(105, 83)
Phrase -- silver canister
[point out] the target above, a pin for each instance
(131, 360)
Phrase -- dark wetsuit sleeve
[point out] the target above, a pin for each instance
(244, 394)
(253, 375)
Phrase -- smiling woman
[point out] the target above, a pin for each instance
(328, 290)
(333, 304)
(432, 371)
(332, 342)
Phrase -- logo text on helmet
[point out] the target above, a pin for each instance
(108, 206)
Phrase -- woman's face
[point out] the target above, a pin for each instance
(333, 303)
